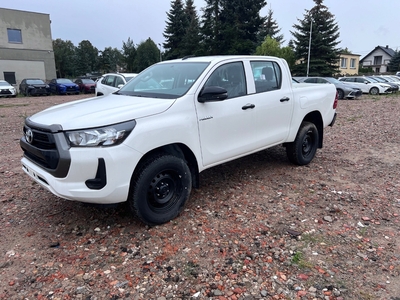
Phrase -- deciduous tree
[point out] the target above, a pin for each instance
(64, 56)
(146, 55)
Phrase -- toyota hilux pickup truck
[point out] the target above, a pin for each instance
(148, 142)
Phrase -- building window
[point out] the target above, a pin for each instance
(377, 60)
(352, 63)
(10, 77)
(14, 35)
(343, 63)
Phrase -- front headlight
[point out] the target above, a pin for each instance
(103, 136)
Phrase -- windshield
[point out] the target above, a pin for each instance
(379, 79)
(167, 80)
(332, 80)
(373, 79)
(34, 81)
(87, 81)
(63, 80)
(3, 83)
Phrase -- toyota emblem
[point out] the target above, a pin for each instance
(29, 136)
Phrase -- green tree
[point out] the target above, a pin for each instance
(324, 54)
(86, 58)
(191, 39)
(175, 30)
(394, 63)
(64, 56)
(270, 28)
(110, 60)
(210, 28)
(147, 54)
(271, 47)
(240, 25)
(129, 55)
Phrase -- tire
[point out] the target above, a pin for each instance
(302, 151)
(374, 91)
(159, 189)
(340, 94)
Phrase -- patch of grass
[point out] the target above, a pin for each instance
(299, 260)
(13, 105)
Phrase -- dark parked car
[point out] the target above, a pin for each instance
(86, 85)
(34, 86)
(63, 86)
(345, 91)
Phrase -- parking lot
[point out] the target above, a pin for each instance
(258, 227)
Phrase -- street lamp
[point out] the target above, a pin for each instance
(309, 49)
(160, 51)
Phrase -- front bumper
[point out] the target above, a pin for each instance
(96, 175)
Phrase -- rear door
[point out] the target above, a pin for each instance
(255, 115)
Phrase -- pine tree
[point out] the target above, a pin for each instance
(129, 55)
(191, 40)
(324, 54)
(175, 30)
(394, 64)
(270, 28)
(211, 28)
(241, 22)
(231, 26)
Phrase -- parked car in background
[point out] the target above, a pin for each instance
(367, 85)
(345, 91)
(63, 86)
(86, 85)
(394, 87)
(391, 79)
(34, 86)
(7, 90)
(112, 82)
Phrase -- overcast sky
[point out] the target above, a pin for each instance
(364, 24)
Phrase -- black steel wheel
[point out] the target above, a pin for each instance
(160, 188)
(302, 150)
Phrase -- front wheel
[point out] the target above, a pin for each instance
(302, 151)
(160, 188)
(374, 91)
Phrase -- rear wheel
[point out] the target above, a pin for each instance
(302, 150)
(374, 91)
(160, 188)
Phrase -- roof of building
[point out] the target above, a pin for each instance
(386, 49)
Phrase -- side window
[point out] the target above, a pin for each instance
(231, 77)
(267, 76)
(361, 80)
(321, 80)
(311, 80)
(109, 80)
(118, 81)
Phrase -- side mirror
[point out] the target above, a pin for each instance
(366, 82)
(120, 86)
(212, 93)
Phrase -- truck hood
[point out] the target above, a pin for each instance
(100, 111)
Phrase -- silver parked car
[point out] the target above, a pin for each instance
(345, 91)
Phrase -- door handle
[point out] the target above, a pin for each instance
(285, 99)
(248, 105)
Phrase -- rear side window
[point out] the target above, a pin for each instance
(267, 76)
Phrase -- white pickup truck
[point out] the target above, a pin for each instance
(148, 142)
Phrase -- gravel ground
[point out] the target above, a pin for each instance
(258, 227)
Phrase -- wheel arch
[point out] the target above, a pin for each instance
(178, 150)
(316, 118)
